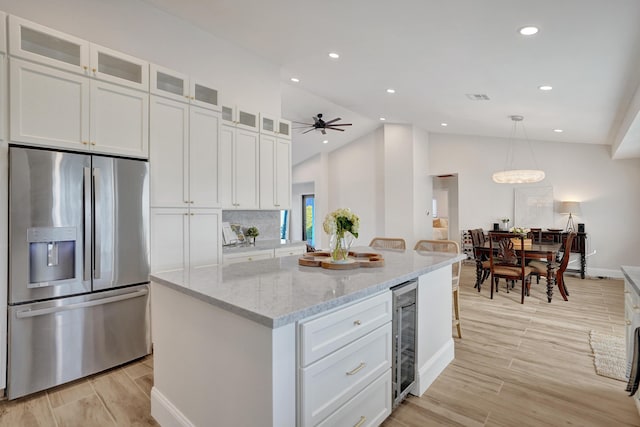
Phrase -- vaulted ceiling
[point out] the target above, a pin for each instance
(437, 56)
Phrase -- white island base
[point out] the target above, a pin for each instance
(213, 367)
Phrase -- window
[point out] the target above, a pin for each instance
(308, 219)
(284, 225)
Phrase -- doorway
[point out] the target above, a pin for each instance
(445, 206)
(308, 219)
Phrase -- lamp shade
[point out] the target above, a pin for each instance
(570, 208)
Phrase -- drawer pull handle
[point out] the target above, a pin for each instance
(358, 369)
(357, 322)
(361, 422)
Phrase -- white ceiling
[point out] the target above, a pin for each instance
(433, 53)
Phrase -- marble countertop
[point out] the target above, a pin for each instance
(261, 245)
(632, 274)
(276, 292)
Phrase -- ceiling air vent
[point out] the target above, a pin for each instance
(477, 96)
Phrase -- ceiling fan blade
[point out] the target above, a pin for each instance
(302, 123)
(308, 131)
(332, 120)
(332, 128)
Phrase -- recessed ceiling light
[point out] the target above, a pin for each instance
(334, 55)
(528, 31)
(444, 124)
(558, 130)
(326, 141)
(545, 87)
(391, 90)
(295, 79)
(382, 119)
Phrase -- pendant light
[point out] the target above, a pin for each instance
(518, 176)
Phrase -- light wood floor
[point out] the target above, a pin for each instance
(525, 365)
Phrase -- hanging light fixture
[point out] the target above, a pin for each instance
(518, 176)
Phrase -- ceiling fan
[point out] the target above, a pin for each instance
(318, 123)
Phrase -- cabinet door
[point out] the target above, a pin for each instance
(204, 237)
(48, 106)
(225, 166)
(41, 44)
(282, 174)
(119, 120)
(204, 95)
(246, 169)
(267, 172)
(169, 83)
(169, 231)
(168, 163)
(203, 157)
(268, 124)
(119, 68)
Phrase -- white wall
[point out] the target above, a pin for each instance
(606, 188)
(139, 29)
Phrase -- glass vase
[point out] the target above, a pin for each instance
(340, 244)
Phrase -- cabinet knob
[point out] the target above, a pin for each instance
(628, 322)
(93, 143)
(357, 323)
(84, 142)
(94, 70)
(193, 97)
(85, 67)
(191, 201)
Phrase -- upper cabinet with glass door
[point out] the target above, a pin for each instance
(270, 125)
(3, 32)
(180, 87)
(240, 118)
(41, 44)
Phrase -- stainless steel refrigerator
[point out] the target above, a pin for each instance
(78, 266)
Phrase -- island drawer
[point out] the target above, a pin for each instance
(368, 408)
(328, 383)
(329, 332)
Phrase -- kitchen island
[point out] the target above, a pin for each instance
(234, 344)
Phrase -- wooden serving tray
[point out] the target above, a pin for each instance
(355, 260)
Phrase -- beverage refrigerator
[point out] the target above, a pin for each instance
(78, 266)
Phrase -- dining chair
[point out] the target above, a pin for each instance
(482, 262)
(450, 246)
(507, 261)
(388, 243)
(540, 268)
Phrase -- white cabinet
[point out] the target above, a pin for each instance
(248, 256)
(183, 238)
(289, 251)
(238, 168)
(56, 108)
(184, 155)
(270, 125)
(345, 365)
(275, 172)
(240, 118)
(76, 95)
(178, 86)
(38, 43)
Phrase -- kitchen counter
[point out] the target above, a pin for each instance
(632, 274)
(228, 339)
(276, 292)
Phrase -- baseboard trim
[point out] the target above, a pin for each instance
(428, 372)
(165, 413)
(605, 272)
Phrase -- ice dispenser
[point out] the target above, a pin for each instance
(52, 255)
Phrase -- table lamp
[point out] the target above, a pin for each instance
(570, 208)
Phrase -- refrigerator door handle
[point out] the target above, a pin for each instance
(86, 267)
(96, 224)
(41, 312)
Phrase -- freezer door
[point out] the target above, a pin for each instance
(49, 212)
(53, 342)
(121, 222)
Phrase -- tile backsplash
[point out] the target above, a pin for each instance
(267, 222)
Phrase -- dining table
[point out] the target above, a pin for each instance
(538, 251)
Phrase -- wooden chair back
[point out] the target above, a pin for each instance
(450, 246)
(388, 243)
(567, 252)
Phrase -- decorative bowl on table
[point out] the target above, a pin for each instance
(554, 229)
